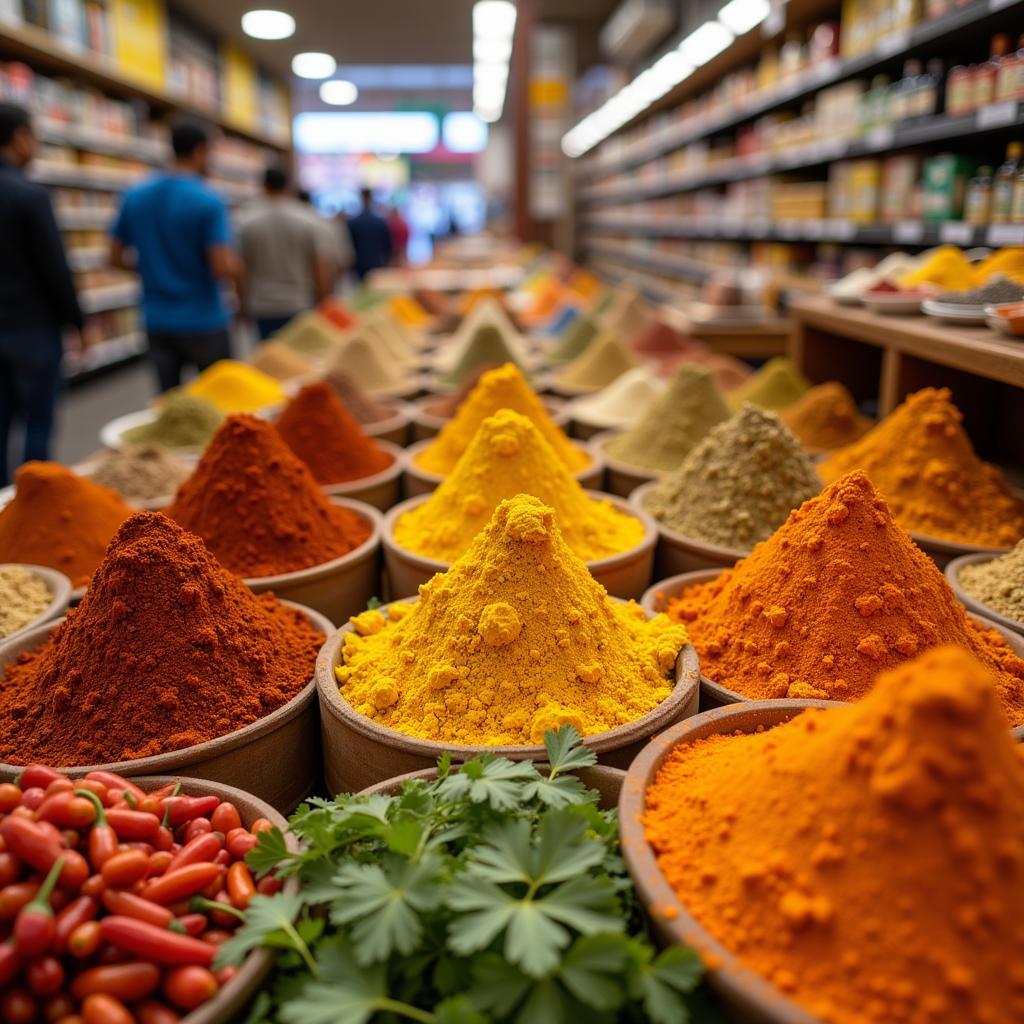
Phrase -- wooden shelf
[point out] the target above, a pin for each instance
(37, 47)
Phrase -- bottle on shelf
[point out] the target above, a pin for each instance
(1017, 209)
(978, 199)
(959, 90)
(985, 75)
(1010, 77)
(903, 92)
(1004, 182)
(928, 97)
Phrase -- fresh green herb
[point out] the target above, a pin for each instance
(491, 893)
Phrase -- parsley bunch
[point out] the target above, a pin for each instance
(493, 893)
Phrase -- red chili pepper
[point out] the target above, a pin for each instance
(261, 825)
(45, 975)
(219, 910)
(179, 809)
(15, 896)
(34, 845)
(34, 926)
(123, 981)
(77, 912)
(92, 786)
(130, 824)
(190, 924)
(61, 785)
(125, 868)
(10, 869)
(103, 1009)
(189, 987)
(37, 775)
(225, 818)
(32, 797)
(152, 1012)
(157, 944)
(93, 886)
(224, 858)
(268, 885)
(10, 963)
(103, 841)
(164, 839)
(18, 1007)
(241, 887)
(241, 843)
(57, 1007)
(127, 904)
(84, 940)
(66, 810)
(196, 827)
(202, 848)
(225, 974)
(114, 781)
(216, 936)
(10, 796)
(159, 861)
(183, 883)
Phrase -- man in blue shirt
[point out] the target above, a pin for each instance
(37, 295)
(371, 238)
(180, 232)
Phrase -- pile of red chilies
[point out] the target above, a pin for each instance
(113, 900)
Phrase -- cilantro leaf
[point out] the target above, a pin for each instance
(565, 752)
(265, 916)
(496, 781)
(458, 1010)
(545, 1005)
(586, 904)
(662, 983)
(564, 791)
(270, 850)
(533, 940)
(486, 911)
(318, 881)
(590, 967)
(499, 986)
(560, 852)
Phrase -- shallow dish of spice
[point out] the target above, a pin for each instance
(30, 595)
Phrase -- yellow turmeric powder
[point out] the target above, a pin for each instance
(236, 387)
(502, 388)
(515, 638)
(865, 860)
(509, 456)
(922, 460)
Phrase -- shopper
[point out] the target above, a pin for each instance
(287, 256)
(399, 228)
(180, 233)
(337, 240)
(371, 238)
(37, 295)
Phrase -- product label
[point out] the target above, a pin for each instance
(995, 114)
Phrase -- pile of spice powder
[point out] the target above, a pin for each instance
(391, 344)
(627, 315)
(487, 346)
(998, 584)
(575, 339)
(279, 361)
(258, 508)
(334, 310)
(359, 358)
(729, 372)
(364, 407)
(312, 335)
(826, 418)
(509, 456)
(59, 519)
(503, 388)
(166, 650)
(318, 428)
(738, 485)
(140, 473)
(673, 423)
(236, 387)
(946, 267)
(660, 339)
(865, 860)
(406, 309)
(182, 421)
(514, 639)
(446, 406)
(776, 385)
(622, 402)
(24, 596)
(605, 359)
(836, 595)
(922, 460)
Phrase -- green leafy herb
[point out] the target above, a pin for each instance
(493, 893)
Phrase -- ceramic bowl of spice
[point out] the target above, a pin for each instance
(394, 427)
(804, 848)
(617, 406)
(227, 693)
(991, 586)
(942, 552)
(146, 476)
(621, 478)
(30, 595)
(660, 596)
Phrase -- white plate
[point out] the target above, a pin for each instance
(111, 433)
(954, 313)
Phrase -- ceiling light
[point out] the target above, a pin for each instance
(492, 50)
(705, 43)
(488, 114)
(486, 94)
(672, 68)
(338, 92)
(741, 16)
(490, 74)
(494, 19)
(314, 65)
(268, 24)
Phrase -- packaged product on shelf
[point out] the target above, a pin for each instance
(945, 185)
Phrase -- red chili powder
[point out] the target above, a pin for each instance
(166, 650)
(321, 431)
(657, 338)
(338, 313)
(257, 507)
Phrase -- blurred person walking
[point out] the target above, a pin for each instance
(371, 238)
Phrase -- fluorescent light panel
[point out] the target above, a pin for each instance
(314, 65)
(266, 24)
(494, 23)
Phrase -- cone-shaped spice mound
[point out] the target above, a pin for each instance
(233, 386)
(865, 860)
(622, 402)
(627, 315)
(359, 357)
(257, 507)
(319, 429)
(508, 456)
(575, 339)
(826, 418)
(182, 421)
(311, 334)
(467, 347)
(486, 346)
(836, 595)
(921, 459)
(502, 388)
(59, 519)
(777, 385)
(358, 402)
(605, 358)
(738, 485)
(166, 650)
(280, 361)
(673, 423)
(515, 638)
(660, 339)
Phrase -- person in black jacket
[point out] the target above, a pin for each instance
(37, 295)
(371, 238)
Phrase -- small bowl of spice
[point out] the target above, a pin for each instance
(30, 595)
(991, 586)
(1007, 318)
(146, 476)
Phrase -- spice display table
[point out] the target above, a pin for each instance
(884, 358)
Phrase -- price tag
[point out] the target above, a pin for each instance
(994, 115)
(879, 138)
(908, 231)
(893, 43)
(956, 233)
(842, 230)
(814, 228)
(1006, 234)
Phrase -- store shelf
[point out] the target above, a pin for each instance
(39, 48)
(895, 47)
(678, 267)
(92, 258)
(995, 117)
(107, 297)
(131, 147)
(85, 219)
(106, 179)
(104, 355)
(759, 229)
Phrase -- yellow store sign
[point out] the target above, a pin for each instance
(139, 29)
(240, 102)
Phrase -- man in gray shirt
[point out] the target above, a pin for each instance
(287, 255)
